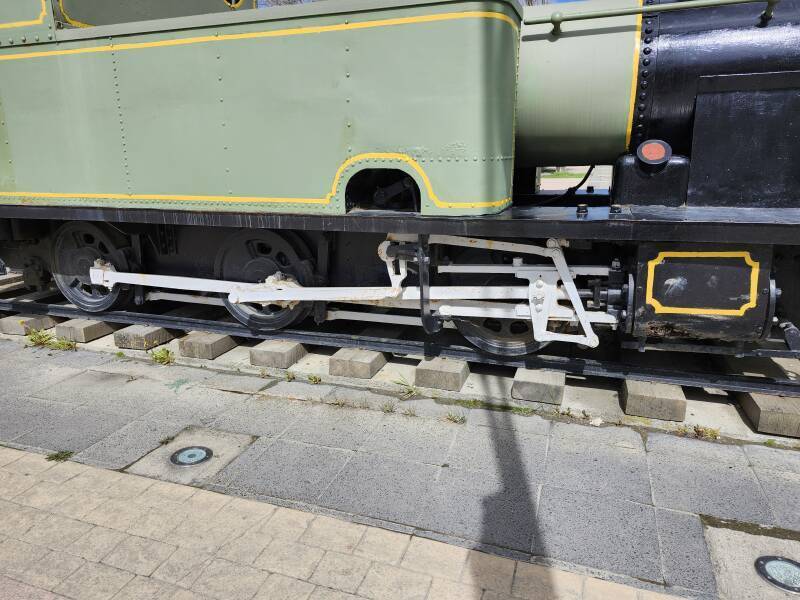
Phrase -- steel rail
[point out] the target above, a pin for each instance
(573, 366)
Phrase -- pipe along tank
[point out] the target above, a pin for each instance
(602, 86)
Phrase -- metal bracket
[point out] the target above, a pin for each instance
(430, 323)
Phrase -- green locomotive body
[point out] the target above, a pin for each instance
(261, 110)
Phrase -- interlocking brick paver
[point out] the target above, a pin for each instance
(115, 514)
(340, 571)
(246, 548)
(145, 588)
(51, 569)
(16, 520)
(384, 582)
(229, 581)
(333, 534)
(444, 589)
(435, 558)
(535, 582)
(280, 587)
(10, 588)
(290, 558)
(30, 464)
(56, 532)
(16, 557)
(322, 593)
(382, 545)
(96, 543)
(8, 455)
(12, 484)
(158, 522)
(63, 471)
(183, 567)
(139, 555)
(43, 495)
(94, 581)
(488, 571)
(93, 480)
(597, 589)
(286, 524)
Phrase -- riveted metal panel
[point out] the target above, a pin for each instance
(575, 93)
(25, 22)
(272, 115)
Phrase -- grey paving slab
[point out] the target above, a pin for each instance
(194, 405)
(782, 489)
(258, 416)
(225, 447)
(691, 484)
(63, 427)
(283, 469)
(79, 359)
(684, 554)
(773, 458)
(112, 392)
(298, 390)
(508, 420)
(671, 445)
(420, 440)
(151, 370)
(128, 444)
(332, 426)
(568, 433)
(19, 415)
(584, 466)
(243, 384)
(382, 487)
(497, 450)
(585, 529)
(494, 509)
(23, 377)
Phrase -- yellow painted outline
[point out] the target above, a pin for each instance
(634, 77)
(347, 26)
(369, 156)
(37, 21)
(731, 312)
(69, 19)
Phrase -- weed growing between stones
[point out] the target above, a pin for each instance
(389, 406)
(44, 339)
(60, 456)
(162, 356)
(457, 418)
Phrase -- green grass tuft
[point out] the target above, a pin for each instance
(457, 418)
(44, 339)
(314, 379)
(60, 456)
(163, 356)
(289, 376)
(389, 406)
(408, 390)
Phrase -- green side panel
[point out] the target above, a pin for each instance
(88, 13)
(25, 22)
(575, 88)
(262, 116)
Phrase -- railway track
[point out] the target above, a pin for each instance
(316, 336)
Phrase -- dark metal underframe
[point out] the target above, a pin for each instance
(626, 223)
(575, 366)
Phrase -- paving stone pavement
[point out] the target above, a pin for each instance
(611, 502)
(200, 545)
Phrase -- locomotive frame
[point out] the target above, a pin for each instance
(653, 259)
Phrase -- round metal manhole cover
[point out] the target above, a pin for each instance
(191, 456)
(780, 571)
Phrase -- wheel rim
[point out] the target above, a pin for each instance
(252, 257)
(506, 337)
(76, 248)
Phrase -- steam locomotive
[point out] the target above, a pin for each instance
(376, 160)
